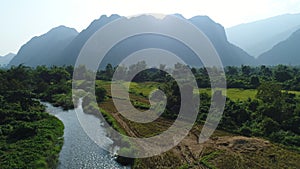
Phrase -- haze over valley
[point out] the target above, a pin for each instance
(210, 86)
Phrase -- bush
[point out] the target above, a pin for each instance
(125, 160)
(246, 131)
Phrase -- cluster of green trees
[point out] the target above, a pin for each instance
(48, 84)
(54, 85)
(251, 77)
(273, 114)
(30, 137)
(124, 73)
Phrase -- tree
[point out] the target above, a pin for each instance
(268, 92)
(246, 131)
(246, 70)
(138, 71)
(120, 73)
(100, 93)
(282, 73)
(109, 71)
(231, 70)
(269, 126)
(254, 81)
(265, 71)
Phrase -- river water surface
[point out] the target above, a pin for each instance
(79, 151)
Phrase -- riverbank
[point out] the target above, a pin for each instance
(79, 151)
(91, 108)
(29, 140)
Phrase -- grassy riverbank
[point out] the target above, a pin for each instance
(29, 140)
(29, 136)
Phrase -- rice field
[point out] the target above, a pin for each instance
(144, 89)
(235, 94)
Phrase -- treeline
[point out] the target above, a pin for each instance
(243, 77)
(288, 77)
(47, 84)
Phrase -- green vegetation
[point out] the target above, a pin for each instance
(261, 102)
(242, 94)
(235, 94)
(184, 166)
(111, 121)
(29, 140)
(54, 85)
(205, 160)
(30, 137)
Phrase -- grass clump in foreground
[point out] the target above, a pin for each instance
(205, 160)
(29, 140)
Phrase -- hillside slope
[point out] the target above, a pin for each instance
(44, 49)
(286, 52)
(4, 60)
(260, 36)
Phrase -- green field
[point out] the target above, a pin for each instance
(241, 94)
(144, 89)
(235, 94)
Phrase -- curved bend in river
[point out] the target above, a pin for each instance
(79, 151)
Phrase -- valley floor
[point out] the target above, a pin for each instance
(222, 150)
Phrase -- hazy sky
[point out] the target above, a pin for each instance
(23, 19)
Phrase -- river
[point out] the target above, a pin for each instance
(79, 151)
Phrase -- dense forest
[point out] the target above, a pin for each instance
(31, 138)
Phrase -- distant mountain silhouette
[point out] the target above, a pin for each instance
(260, 36)
(286, 52)
(65, 47)
(229, 53)
(70, 54)
(45, 49)
(4, 60)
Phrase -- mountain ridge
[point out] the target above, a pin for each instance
(4, 60)
(40, 50)
(228, 49)
(69, 50)
(73, 48)
(285, 52)
(260, 36)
